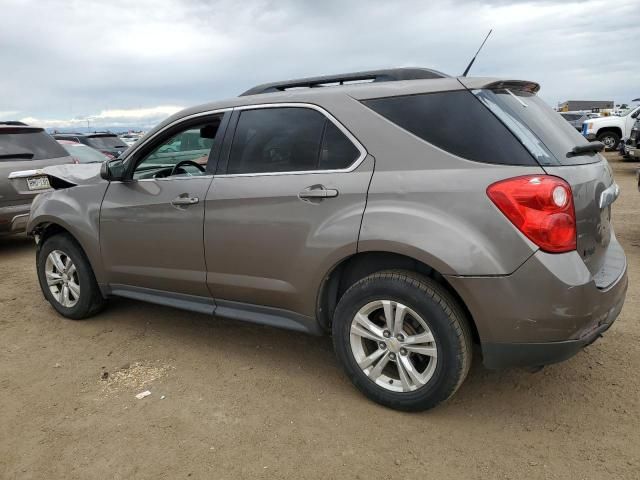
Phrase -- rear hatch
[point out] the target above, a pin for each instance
(25, 148)
(550, 139)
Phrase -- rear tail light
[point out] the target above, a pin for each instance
(541, 207)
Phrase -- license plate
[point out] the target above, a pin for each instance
(38, 183)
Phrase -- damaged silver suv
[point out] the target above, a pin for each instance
(407, 213)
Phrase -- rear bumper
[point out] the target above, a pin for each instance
(545, 311)
(503, 355)
(14, 219)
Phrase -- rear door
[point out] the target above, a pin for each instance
(285, 206)
(151, 226)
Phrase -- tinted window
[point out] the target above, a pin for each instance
(338, 151)
(29, 145)
(276, 140)
(456, 122)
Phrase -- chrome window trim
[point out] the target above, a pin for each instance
(356, 163)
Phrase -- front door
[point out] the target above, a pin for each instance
(284, 207)
(151, 226)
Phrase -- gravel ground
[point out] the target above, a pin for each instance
(231, 400)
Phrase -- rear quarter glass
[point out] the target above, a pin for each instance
(456, 122)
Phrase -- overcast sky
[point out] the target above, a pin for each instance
(136, 61)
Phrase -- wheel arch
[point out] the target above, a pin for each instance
(355, 267)
(612, 129)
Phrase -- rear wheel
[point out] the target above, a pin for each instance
(610, 140)
(66, 278)
(402, 339)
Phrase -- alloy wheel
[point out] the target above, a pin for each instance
(393, 346)
(62, 278)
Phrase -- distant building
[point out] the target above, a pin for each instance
(590, 105)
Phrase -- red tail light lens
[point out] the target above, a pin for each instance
(541, 207)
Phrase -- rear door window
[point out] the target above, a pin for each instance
(457, 123)
(29, 144)
(289, 139)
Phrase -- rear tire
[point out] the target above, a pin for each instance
(66, 278)
(362, 331)
(610, 140)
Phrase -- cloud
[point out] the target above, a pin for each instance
(70, 60)
(145, 117)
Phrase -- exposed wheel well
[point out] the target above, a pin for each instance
(47, 230)
(360, 265)
(615, 130)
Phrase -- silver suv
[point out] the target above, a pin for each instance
(407, 213)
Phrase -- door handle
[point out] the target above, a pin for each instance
(318, 192)
(182, 201)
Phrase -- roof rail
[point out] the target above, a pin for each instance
(387, 75)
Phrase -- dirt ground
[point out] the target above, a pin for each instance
(233, 400)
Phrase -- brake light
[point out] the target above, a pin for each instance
(541, 207)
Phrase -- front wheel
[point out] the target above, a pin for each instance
(66, 278)
(402, 339)
(609, 139)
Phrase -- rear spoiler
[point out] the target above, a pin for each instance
(473, 83)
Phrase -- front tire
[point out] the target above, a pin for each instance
(402, 339)
(610, 140)
(66, 278)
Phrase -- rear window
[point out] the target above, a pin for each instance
(29, 145)
(547, 135)
(456, 122)
(106, 142)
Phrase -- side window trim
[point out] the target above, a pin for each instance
(228, 140)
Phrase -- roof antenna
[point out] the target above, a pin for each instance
(474, 57)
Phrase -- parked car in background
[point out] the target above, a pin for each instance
(107, 143)
(23, 148)
(486, 219)
(130, 138)
(610, 130)
(82, 153)
(576, 119)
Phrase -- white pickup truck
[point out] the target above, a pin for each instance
(610, 130)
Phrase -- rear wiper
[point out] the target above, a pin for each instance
(26, 155)
(591, 147)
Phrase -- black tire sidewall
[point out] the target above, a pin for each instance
(449, 368)
(86, 279)
(615, 137)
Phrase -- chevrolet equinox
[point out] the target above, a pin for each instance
(407, 213)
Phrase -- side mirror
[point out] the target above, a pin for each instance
(112, 170)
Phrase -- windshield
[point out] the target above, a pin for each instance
(29, 144)
(84, 154)
(547, 135)
(628, 111)
(105, 142)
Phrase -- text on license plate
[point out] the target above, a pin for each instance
(38, 183)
